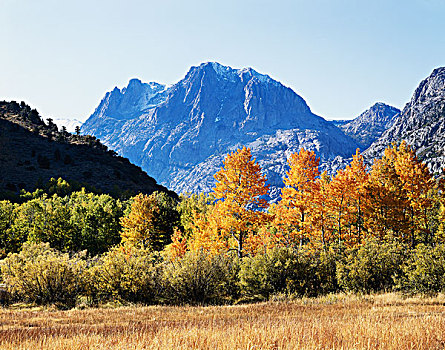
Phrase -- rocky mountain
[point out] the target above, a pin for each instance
(69, 124)
(371, 124)
(32, 152)
(340, 122)
(421, 123)
(180, 134)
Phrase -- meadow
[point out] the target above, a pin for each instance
(336, 321)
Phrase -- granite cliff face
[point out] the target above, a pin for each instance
(421, 124)
(180, 134)
(370, 125)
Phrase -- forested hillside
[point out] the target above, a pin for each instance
(33, 151)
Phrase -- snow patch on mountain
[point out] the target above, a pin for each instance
(70, 124)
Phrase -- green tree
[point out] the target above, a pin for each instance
(45, 219)
(9, 242)
(96, 219)
(190, 205)
(150, 220)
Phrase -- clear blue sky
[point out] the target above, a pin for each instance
(340, 56)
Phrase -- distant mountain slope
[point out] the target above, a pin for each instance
(70, 124)
(180, 134)
(421, 123)
(32, 152)
(371, 124)
(339, 122)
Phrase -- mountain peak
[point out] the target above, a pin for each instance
(438, 71)
(134, 82)
(431, 87)
(371, 124)
(379, 105)
(384, 109)
(215, 109)
(229, 73)
(421, 123)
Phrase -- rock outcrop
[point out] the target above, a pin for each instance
(421, 124)
(370, 125)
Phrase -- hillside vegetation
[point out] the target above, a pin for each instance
(357, 231)
(33, 151)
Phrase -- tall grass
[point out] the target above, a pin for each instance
(329, 322)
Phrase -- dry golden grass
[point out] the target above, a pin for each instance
(333, 322)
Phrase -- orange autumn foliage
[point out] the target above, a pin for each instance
(346, 200)
(398, 198)
(240, 186)
(401, 196)
(292, 213)
(207, 233)
(178, 247)
(321, 218)
(138, 225)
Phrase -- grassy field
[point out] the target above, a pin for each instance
(333, 322)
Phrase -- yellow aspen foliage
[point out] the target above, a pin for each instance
(440, 199)
(239, 188)
(346, 197)
(266, 238)
(419, 187)
(293, 211)
(384, 208)
(358, 176)
(270, 235)
(178, 247)
(141, 226)
(321, 219)
(339, 203)
(206, 233)
(401, 196)
(138, 225)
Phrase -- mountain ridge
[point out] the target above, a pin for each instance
(369, 125)
(181, 133)
(213, 110)
(421, 123)
(33, 152)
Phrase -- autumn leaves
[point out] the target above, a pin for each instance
(398, 199)
(237, 214)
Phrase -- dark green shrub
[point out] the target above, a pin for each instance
(43, 162)
(126, 273)
(424, 272)
(371, 267)
(279, 270)
(323, 275)
(44, 275)
(80, 221)
(199, 278)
